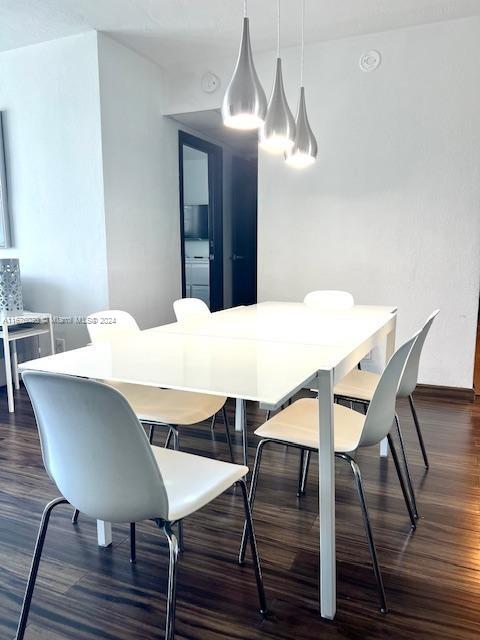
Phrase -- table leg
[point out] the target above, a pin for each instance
(239, 410)
(244, 433)
(326, 478)
(16, 379)
(8, 368)
(389, 351)
(104, 533)
(50, 331)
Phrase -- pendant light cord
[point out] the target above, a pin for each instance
(245, 8)
(302, 58)
(278, 28)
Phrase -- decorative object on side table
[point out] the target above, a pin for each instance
(11, 301)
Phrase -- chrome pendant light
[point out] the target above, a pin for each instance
(304, 150)
(277, 134)
(244, 103)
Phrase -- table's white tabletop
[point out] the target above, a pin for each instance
(238, 368)
(245, 353)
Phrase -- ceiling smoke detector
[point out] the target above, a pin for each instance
(370, 60)
(210, 82)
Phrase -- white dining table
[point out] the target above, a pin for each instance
(265, 353)
(290, 322)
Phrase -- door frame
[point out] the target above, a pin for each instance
(215, 213)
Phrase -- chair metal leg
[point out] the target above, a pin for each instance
(169, 438)
(393, 450)
(253, 548)
(300, 472)
(75, 515)
(306, 466)
(267, 415)
(176, 438)
(245, 434)
(214, 419)
(172, 580)
(150, 433)
(133, 549)
(419, 432)
(253, 491)
(303, 471)
(176, 446)
(368, 529)
(227, 433)
(37, 555)
(406, 467)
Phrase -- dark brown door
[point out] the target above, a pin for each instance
(244, 230)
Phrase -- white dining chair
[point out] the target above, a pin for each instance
(297, 426)
(165, 408)
(98, 455)
(186, 308)
(156, 407)
(359, 386)
(326, 300)
(104, 326)
(329, 300)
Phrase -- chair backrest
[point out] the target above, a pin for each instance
(186, 308)
(95, 449)
(329, 300)
(381, 410)
(410, 373)
(110, 325)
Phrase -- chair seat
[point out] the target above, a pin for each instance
(358, 384)
(298, 423)
(169, 406)
(192, 481)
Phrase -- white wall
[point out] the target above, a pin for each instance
(49, 93)
(93, 181)
(140, 168)
(390, 211)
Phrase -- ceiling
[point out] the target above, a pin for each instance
(210, 124)
(177, 31)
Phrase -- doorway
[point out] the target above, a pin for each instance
(218, 184)
(201, 219)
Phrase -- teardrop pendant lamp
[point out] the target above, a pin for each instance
(277, 134)
(244, 103)
(304, 150)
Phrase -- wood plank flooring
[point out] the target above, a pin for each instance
(432, 576)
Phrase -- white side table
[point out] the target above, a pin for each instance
(43, 324)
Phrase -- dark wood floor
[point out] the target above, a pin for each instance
(432, 577)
